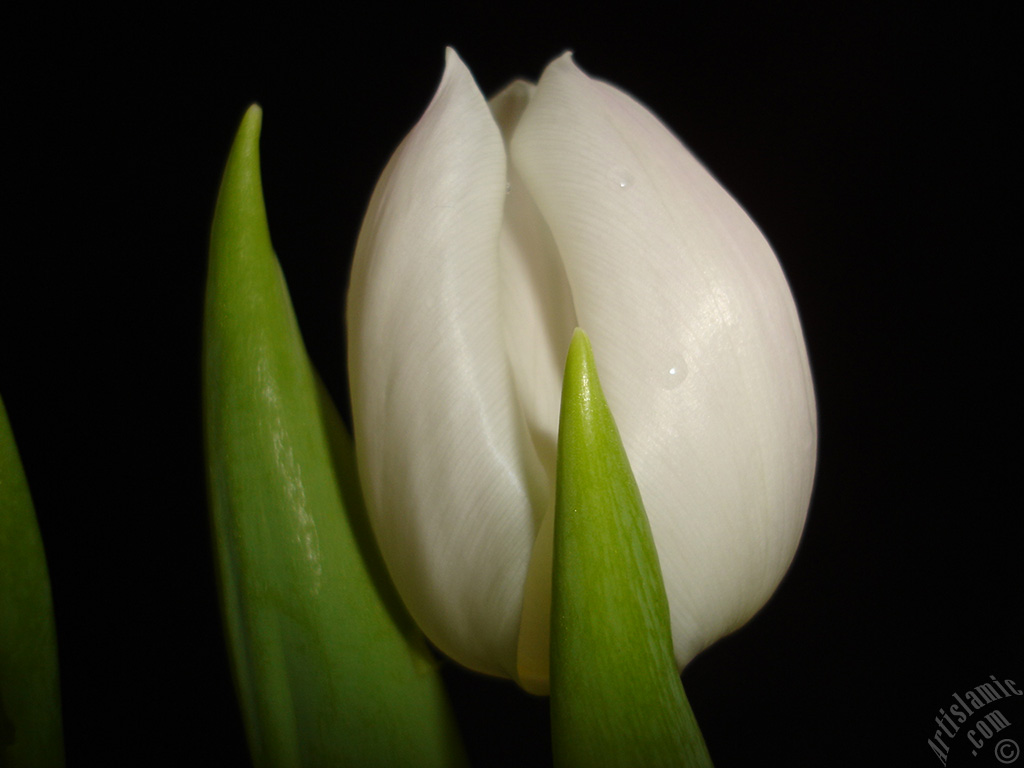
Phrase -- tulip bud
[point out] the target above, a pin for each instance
(494, 231)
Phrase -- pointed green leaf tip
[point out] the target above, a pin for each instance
(616, 696)
(328, 667)
(30, 722)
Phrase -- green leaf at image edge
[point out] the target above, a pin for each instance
(328, 667)
(616, 696)
(30, 719)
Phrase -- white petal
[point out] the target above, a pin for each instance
(696, 338)
(444, 454)
(537, 306)
(539, 318)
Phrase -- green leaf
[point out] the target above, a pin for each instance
(30, 723)
(329, 669)
(616, 696)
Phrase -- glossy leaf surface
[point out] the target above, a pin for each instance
(329, 669)
(616, 697)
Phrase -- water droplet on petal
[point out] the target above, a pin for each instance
(620, 177)
(508, 187)
(673, 375)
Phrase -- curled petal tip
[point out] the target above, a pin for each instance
(454, 65)
(565, 61)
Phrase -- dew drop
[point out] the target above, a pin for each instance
(508, 187)
(620, 177)
(673, 375)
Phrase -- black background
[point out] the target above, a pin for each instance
(872, 148)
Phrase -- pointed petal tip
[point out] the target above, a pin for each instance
(456, 75)
(564, 61)
(453, 64)
(565, 70)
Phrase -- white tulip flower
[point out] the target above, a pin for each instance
(494, 231)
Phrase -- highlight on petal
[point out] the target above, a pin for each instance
(703, 357)
(450, 478)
